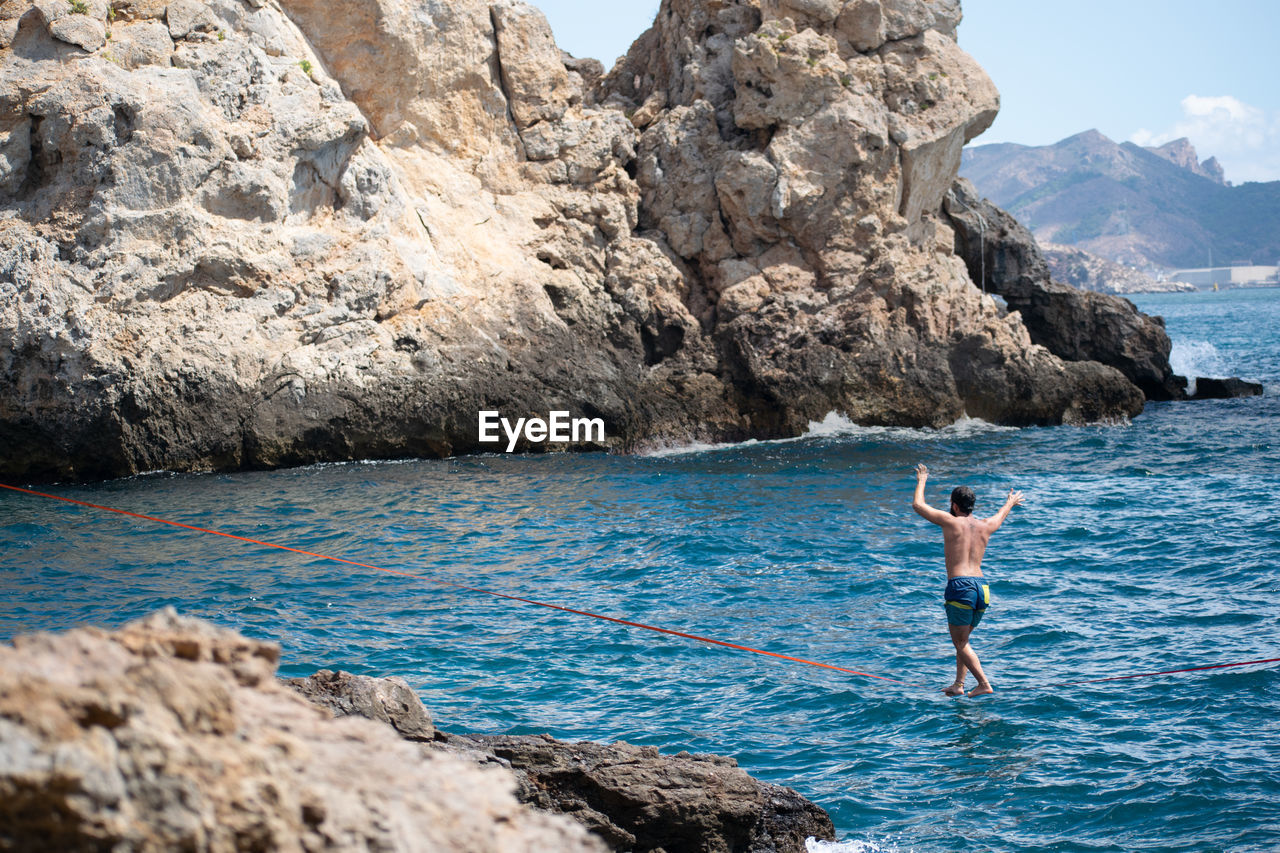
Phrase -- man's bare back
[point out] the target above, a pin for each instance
(964, 537)
(964, 541)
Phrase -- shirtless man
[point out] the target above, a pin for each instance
(964, 541)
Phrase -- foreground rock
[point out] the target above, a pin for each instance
(386, 700)
(633, 798)
(245, 234)
(172, 734)
(1076, 325)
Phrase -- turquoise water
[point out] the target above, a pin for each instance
(1141, 548)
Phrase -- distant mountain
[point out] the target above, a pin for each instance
(1145, 207)
(1181, 152)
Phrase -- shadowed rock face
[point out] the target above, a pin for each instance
(245, 235)
(1076, 325)
(1225, 389)
(633, 798)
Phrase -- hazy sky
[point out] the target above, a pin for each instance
(1142, 70)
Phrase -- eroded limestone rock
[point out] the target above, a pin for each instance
(247, 234)
(386, 700)
(172, 734)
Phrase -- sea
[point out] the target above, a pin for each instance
(1142, 548)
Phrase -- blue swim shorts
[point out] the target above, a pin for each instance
(965, 600)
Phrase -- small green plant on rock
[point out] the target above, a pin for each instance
(222, 35)
(79, 7)
(305, 65)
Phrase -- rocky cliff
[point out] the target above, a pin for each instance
(1088, 328)
(269, 232)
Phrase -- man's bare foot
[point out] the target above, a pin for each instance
(983, 688)
(955, 689)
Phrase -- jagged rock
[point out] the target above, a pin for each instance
(80, 30)
(800, 176)
(312, 231)
(1182, 153)
(171, 734)
(386, 700)
(635, 798)
(1225, 389)
(1073, 324)
(533, 73)
(142, 43)
(188, 17)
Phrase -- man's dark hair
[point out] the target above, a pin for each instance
(964, 499)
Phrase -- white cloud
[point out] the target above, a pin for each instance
(1244, 138)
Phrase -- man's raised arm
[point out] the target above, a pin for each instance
(919, 504)
(994, 522)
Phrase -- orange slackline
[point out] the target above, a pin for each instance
(1150, 674)
(602, 617)
(442, 582)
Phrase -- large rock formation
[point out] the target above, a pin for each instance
(172, 734)
(249, 233)
(1077, 325)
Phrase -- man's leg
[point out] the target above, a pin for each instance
(956, 616)
(966, 658)
(956, 687)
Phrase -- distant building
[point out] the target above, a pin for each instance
(1232, 276)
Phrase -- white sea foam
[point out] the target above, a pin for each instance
(812, 845)
(1197, 358)
(703, 447)
(836, 425)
